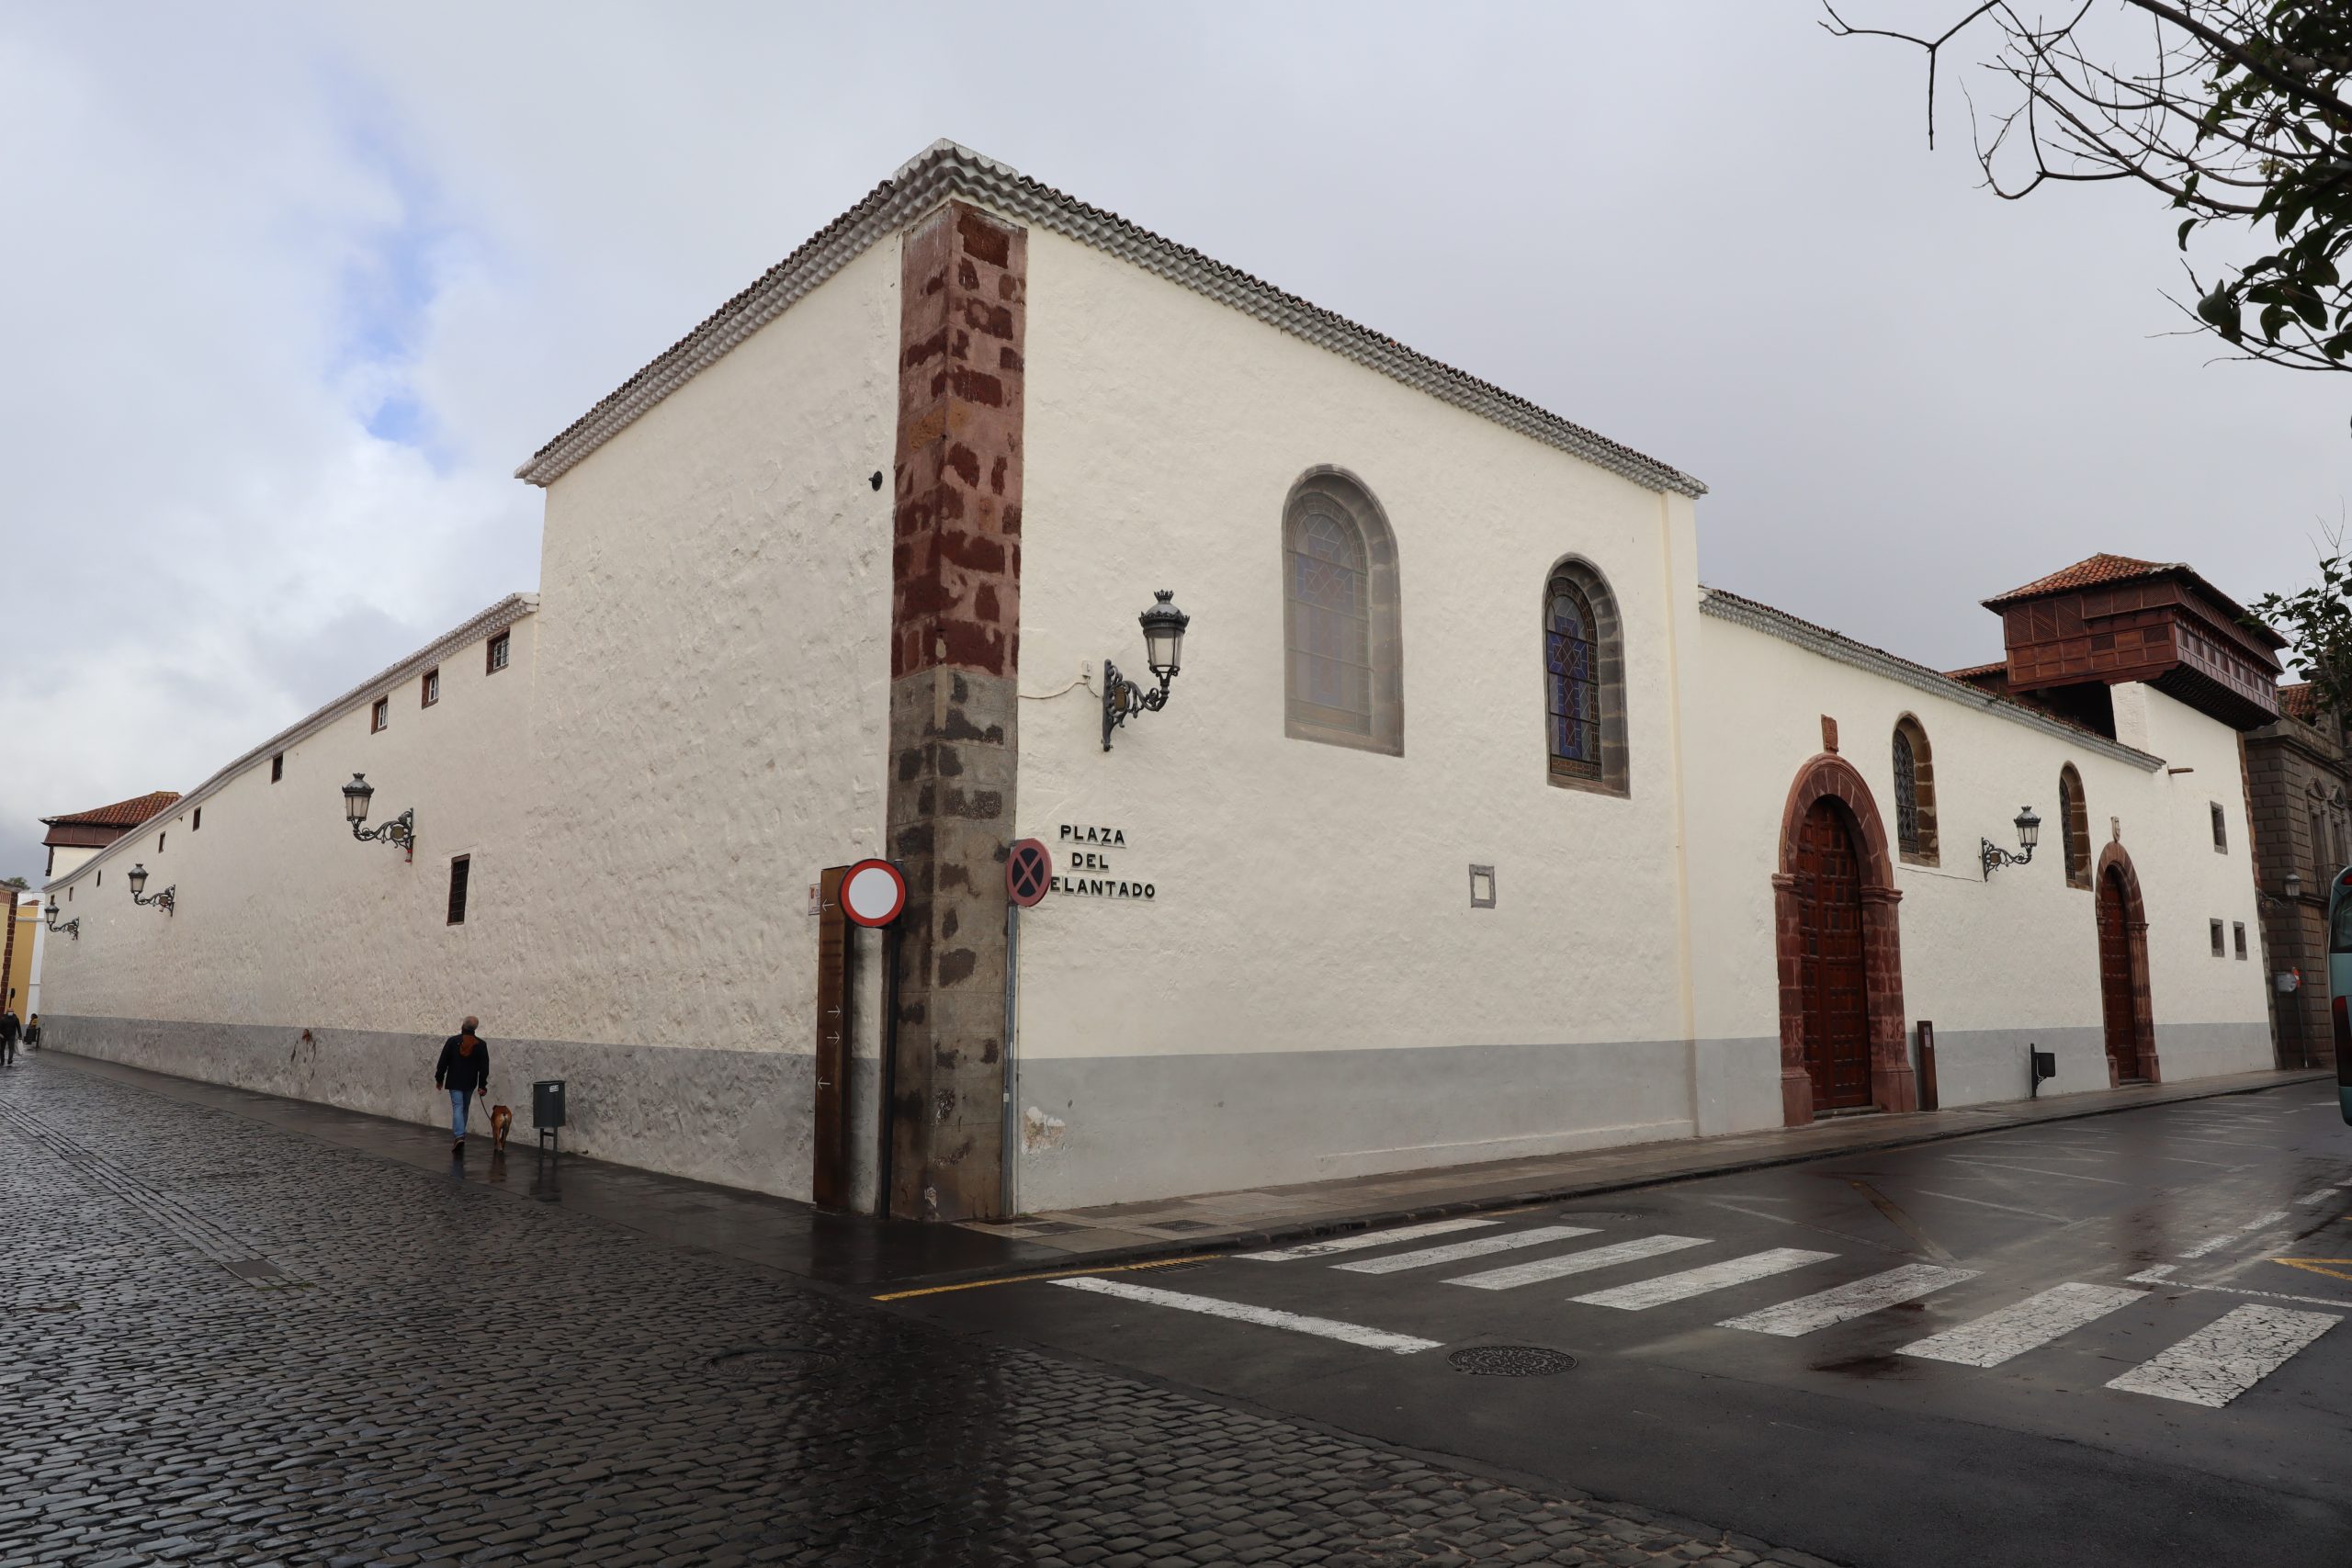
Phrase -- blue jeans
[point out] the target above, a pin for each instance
(458, 1099)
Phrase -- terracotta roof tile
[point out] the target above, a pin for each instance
(2299, 701)
(2089, 572)
(121, 814)
(1975, 672)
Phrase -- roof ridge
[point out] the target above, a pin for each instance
(947, 169)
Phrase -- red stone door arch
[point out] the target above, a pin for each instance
(1835, 868)
(2129, 1020)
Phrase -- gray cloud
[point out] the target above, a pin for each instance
(296, 288)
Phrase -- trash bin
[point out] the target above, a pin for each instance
(547, 1109)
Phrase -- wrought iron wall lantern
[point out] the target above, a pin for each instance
(1163, 643)
(2289, 892)
(138, 888)
(2029, 835)
(400, 830)
(72, 928)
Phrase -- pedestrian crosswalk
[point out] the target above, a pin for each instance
(1842, 1303)
(2210, 1366)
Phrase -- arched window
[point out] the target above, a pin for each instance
(2074, 827)
(1344, 680)
(1584, 681)
(1915, 793)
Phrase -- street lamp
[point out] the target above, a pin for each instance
(400, 830)
(1163, 644)
(139, 885)
(72, 928)
(2290, 899)
(2029, 834)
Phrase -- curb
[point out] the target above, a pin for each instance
(1309, 1230)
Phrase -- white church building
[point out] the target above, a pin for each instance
(1472, 826)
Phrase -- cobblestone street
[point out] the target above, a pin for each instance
(231, 1343)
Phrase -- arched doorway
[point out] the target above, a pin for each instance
(1829, 926)
(1842, 1031)
(2128, 1020)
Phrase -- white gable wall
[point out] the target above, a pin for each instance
(1309, 993)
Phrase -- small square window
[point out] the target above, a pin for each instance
(499, 649)
(382, 717)
(2221, 830)
(432, 687)
(460, 872)
(2237, 934)
(1482, 887)
(277, 767)
(2217, 938)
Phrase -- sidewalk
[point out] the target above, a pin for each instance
(1124, 1231)
(859, 1254)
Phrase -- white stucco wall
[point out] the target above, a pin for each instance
(1991, 961)
(65, 860)
(1312, 900)
(716, 592)
(281, 920)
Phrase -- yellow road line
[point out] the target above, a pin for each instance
(1057, 1274)
(2334, 1268)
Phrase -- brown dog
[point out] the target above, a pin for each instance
(500, 1119)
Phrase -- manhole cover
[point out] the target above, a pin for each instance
(1512, 1360)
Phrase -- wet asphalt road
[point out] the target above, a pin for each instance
(2145, 1247)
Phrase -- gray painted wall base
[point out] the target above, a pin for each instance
(736, 1118)
(1121, 1129)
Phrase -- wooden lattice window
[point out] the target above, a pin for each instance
(1915, 793)
(2074, 826)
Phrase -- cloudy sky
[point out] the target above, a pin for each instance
(288, 292)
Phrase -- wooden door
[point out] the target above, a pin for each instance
(2116, 1002)
(1829, 930)
(828, 1109)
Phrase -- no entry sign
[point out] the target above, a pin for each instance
(873, 893)
(1028, 871)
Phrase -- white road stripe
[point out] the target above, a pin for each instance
(2032, 1170)
(1823, 1308)
(2155, 1275)
(2022, 1325)
(1576, 1262)
(2216, 1243)
(1646, 1293)
(1357, 1239)
(1455, 1252)
(2226, 1358)
(1323, 1327)
(2322, 1196)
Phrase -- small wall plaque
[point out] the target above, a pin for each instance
(1482, 887)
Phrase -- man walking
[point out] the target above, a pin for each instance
(10, 1027)
(464, 1071)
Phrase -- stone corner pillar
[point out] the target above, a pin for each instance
(955, 676)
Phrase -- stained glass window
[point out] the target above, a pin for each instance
(1572, 678)
(1907, 794)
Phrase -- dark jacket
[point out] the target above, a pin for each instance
(10, 1024)
(459, 1072)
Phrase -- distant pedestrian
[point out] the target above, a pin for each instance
(32, 1032)
(464, 1071)
(11, 1026)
